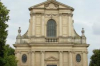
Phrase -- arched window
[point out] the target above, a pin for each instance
(51, 28)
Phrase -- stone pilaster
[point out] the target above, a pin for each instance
(69, 26)
(30, 25)
(85, 58)
(60, 58)
(33, 26)
(70, 58)
(73, 57)
(43, 25)
(18, 56)
(42, 58)
(60, 25)
(29, 58)
(84, 64)
(33, 58)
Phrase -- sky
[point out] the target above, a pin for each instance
(86, 15)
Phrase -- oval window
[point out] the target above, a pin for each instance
(24, 58)
(78, 57)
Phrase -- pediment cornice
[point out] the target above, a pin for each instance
(56, 3)
(51, 59)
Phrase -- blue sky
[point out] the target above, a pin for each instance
(86, 15)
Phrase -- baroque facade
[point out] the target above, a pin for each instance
(51, 39)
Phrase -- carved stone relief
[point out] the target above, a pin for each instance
(51, 6)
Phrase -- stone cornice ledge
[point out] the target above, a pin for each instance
(51, 45)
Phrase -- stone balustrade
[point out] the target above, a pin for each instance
(51, 39)
(66, 40)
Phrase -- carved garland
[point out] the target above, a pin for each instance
(42, 14)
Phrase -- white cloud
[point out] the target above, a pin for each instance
(96, 26)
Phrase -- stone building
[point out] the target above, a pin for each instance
(51, 39)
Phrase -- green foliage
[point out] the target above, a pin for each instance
(95, 58)
(9, 57)
(3, 32)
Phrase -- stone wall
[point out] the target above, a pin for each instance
(60, 55)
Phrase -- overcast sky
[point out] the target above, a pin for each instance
(86, 15)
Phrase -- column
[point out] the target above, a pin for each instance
(33, 58)
(60, 25)
(33, 26)
(42, 25)
(70, 58)
(61, 58)
(42, 58)
(85, 58)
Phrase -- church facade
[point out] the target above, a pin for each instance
(51, 39)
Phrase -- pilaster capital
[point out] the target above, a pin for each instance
(60, 51)
(42, 52)
(38, 14)
(60, 14)
(70, 15)
(16, 52)
(32, 51)
(73, 52)
(85, 52)
(65, 14)
(70, 51)
(29, 52)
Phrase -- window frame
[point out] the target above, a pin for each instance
(78, 58)
(24, 58)
(51, 28)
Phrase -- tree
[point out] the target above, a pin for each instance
(95, 58)
(3, 32)
(7, 57)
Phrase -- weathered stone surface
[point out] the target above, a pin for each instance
(60, 50)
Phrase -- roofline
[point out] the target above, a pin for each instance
(51, 1)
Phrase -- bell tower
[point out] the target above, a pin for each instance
(51, 39)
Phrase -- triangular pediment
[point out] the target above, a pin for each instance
(51, 59)
(52, 4)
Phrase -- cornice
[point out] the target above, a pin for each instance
(60, 14)
(51, 45)
(21, 45)
(54, 2)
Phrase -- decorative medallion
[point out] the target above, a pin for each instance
(24, 58)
